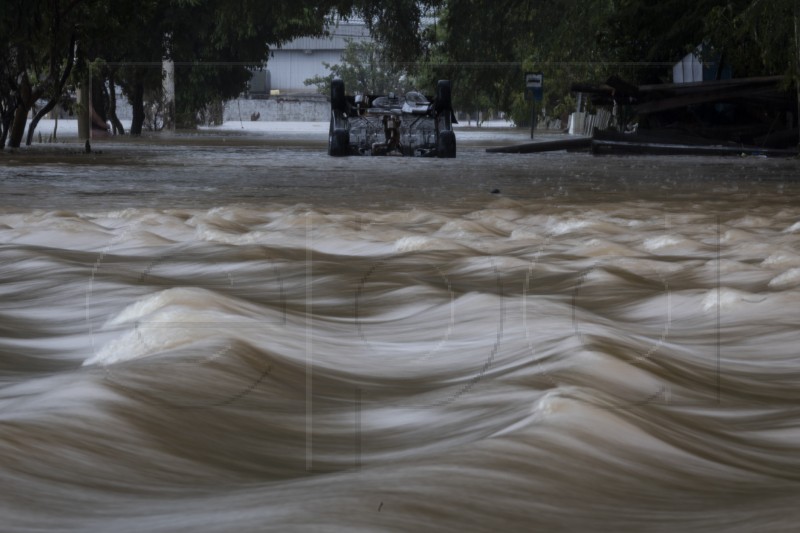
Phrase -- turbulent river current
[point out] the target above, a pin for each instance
(232, 331)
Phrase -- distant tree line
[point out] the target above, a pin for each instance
(48, 48)
(486, 46)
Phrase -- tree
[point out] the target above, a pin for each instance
(7, 74)
(38, 40)
(365, 68)
(754, 35)
(483, 46)
(213, 43)
(397, 25)
(123, 46)
(487, 46)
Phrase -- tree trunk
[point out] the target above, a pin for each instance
(82, 112)
(112, 107)
(137, 102)
(18, 126)
(37, 117)
(7, 118)
(797, 65)
(55, 96)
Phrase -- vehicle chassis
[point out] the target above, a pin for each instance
(391, 125)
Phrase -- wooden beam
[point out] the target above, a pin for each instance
(675, 102)
(632, 146)
(545, 146)
(705, 85)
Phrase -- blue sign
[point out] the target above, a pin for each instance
(533, 84)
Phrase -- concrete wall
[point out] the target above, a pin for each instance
(279, 108)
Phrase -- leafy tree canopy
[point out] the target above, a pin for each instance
(484, 46)
(365, 68)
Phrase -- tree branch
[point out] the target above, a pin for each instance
(57, 90)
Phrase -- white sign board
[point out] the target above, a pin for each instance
(534, 81)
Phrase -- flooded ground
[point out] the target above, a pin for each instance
(276, 163)
(230, 330)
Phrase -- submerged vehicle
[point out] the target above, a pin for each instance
(410, 125)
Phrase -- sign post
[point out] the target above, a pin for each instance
(533, 87)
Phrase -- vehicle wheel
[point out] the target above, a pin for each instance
(338, 101)
(339, 143)
(444, 100)
(446, 146)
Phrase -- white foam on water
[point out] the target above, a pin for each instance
(728, 299)
(562, 227)
(794, 228)
(284, 354)
(417, 243)
(781, 259)
(660, 242)
(790, 278)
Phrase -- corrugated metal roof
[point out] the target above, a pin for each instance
(337, 40)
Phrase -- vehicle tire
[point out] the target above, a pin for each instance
(339, 143)
(444, 100)
(338, 101)
(446, 145)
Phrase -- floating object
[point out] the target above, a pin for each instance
(580, 143)
(610, 142)
(410, 125)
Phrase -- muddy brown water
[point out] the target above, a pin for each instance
(234, 331)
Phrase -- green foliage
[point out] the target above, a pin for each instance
(756, 36)
(215, 42)
(197, 87)
(398, 24)
(365, 68)
(486, 46)
(212, 41)
(483, 46)
(36, 56)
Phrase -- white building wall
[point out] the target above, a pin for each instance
(688, 70)
(290, 68)
(303, 58)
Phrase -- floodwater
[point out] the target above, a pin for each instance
(232, 331)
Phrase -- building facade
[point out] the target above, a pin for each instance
(293, 63)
